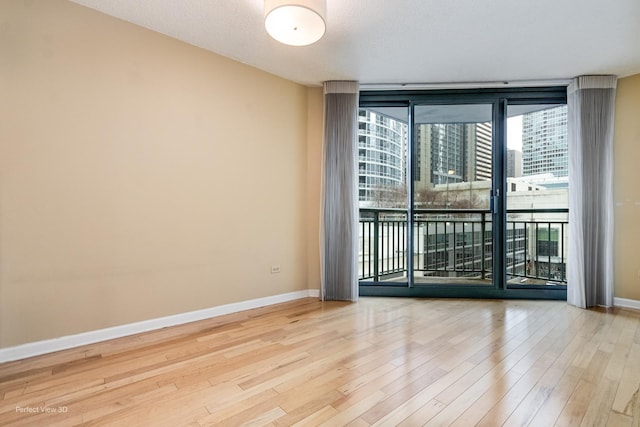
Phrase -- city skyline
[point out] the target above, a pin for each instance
(457, 152)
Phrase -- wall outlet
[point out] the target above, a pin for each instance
(275, 269)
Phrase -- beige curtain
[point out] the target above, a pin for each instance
(339, 234)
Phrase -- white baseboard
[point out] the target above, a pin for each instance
(626, 303)
(63, 343)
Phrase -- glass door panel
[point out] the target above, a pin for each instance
(537, 196)
(382, 186)
(452, 183)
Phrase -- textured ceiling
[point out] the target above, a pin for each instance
(412, 41)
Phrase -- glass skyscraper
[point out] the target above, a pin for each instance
(453, 152)
(382, 148)
(544, 142)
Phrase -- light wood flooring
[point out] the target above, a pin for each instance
(381, 361)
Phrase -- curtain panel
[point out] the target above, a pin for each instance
(339, 225)
(590, 103)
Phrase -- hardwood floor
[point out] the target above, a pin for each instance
(382, 361)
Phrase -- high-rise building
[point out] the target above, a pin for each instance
(514, 163)
(544, 142)
(446, 142)
(481, 142)
(450, 153)
(382, 150)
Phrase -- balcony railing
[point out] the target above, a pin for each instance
(458, 243)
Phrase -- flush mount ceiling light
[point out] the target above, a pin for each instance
(296, 23)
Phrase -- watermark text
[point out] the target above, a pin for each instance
(42, 409)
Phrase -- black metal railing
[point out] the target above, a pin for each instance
(459, 243)
(537, 241)
(453, 243)
(383, 243)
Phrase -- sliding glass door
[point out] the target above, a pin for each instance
(537, 195)
(452, 187)
(442, 209)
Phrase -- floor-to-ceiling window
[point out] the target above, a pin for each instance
(383, 140)
(537, 195)
(463, 193)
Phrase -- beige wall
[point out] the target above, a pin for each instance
(627, 188)
(315, 128)
(142, 177)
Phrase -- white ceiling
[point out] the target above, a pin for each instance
(412, 41)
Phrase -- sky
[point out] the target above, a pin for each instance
(514, 133)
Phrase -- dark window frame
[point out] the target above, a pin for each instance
(499, 98)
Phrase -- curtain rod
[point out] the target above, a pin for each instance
(464, 85)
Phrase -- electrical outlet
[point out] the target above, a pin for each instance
(275, 269)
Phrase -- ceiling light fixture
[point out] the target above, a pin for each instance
(296, 23)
